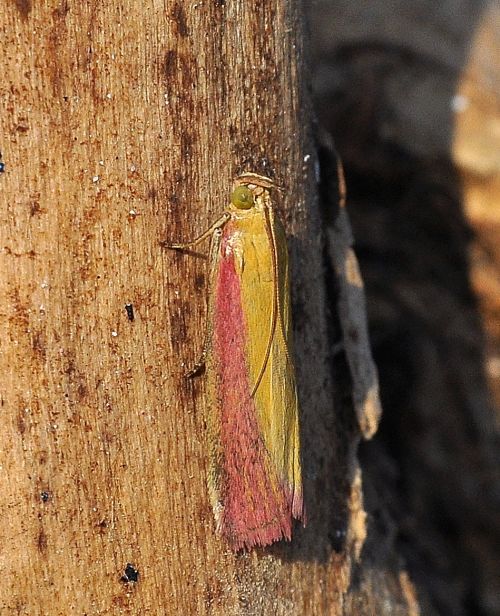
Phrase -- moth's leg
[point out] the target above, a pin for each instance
(213, 260)
(209, 232)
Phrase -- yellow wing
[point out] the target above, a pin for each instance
(264, 275)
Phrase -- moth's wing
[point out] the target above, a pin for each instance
(251, 436)
(266, 289)
(283, 390)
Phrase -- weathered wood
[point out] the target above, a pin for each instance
(122, 124)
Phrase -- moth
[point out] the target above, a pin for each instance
(254, 477)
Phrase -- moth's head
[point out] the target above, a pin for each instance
(250, 189)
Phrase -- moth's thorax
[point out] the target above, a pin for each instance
(245, 229)
(232, 243)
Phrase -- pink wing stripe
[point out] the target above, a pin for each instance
(257, 508)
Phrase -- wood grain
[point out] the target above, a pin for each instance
(122, 124)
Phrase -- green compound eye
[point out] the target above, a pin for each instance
(242, 198)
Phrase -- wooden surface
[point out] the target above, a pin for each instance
(122, 124)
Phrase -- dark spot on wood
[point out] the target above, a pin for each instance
(21, 424)
(120, 602)
(102, 526)
(22, 128)
(42, 542)
(220, 4)
(35, 208)
(214, 592)
(174, 199)
(56, 40)
(24, 7)
(131, 574)
(179, 17)
(20, 316)
(38, 345)
(45, 496)
(62, 10)
(129, 308)
(70, 367)
(108, 438)
(31, 254)
(82, 391)
(179, 330)
(197, 370)
(199, 281)
(170, 64)
(186, 146)
(181, 70)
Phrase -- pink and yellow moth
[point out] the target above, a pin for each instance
(254, 477)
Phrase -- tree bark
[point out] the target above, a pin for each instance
(124, 123)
